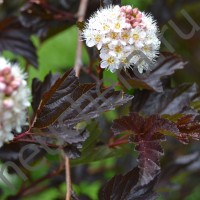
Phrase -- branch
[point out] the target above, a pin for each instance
(68, 178)
(77, 68)
(29, 190)
(81, 17)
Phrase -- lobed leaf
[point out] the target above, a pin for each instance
(71, 102)
(189, 128)
(186, 163)
(127, 188)
(16, 38)
(165, 66)
(39, 88)
(67, 103)
(171, 101)
(146, 133)
(111, 2)
(45, 19)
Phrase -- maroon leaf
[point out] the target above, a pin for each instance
(171, 101)
(165, 66)
(128, 187)
(45, 19)
(111, 2)
(71, 102)
(67, 103)
(146, 133)
(189, 128)
(186, 163)
(15, 38)
(39, 88)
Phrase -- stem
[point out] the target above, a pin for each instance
(22, 135)
(78, 61)
(68, 178)
(101, 3)
(25, 191)
(123, 137)
(117, 143)
(36, 142)
(77, 67)
(100, 71)
(81, 17)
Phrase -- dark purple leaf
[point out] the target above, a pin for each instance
(146, 133)
(15, 38)
(165, 66)
(184, 164)
(128, 187)
(72, 152)
(111, 2)
(66, 103)
(170, 102)
(189, 128)
(39, 88)
(45, 19)
(70, 102)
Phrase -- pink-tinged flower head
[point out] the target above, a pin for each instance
(133, 16)
(14, 100)
(119, 32)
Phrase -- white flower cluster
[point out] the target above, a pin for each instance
(14, 100)
(124, 36)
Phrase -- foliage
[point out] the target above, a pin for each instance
(70, 116)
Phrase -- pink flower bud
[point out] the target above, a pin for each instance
(129, 10)
(129, 7)
(123, 8)
(139, 15)
(2, 79)
(15, 84)
(135, 24)
(9, 78)
(135, 11)
(6, 71)
(138, 20)
(8, 103)
(2, 87)
(8, 91)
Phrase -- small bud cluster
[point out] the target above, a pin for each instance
(133, 16)
(120, 32)
(14, 100)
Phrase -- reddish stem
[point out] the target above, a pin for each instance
(22, 135)
(35, 183)
(117, 143)
(36, 142)
(123, 137)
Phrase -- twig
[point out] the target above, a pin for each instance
(77, 68)
(32, 141)
(28, 190)
(22, 135)
(81, 17)
(101, 3)
(118, 143)
(68, 178)
(100, 71)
